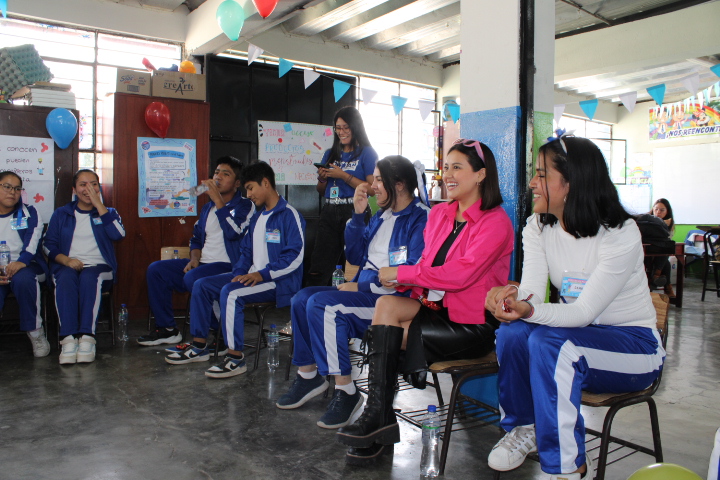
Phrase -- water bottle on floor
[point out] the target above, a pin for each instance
(122, 332)
(430, 461)
(338, 276)
(4, 257)
(273, 340)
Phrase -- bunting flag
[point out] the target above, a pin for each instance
(398, 103)
(691, 83)
(717, 89)
(628, 100)
(3, 7)
(426, 106)
(589, 107)
(557, 112)
(701, 98)
(253, 52)
(716, 69)
(284, 67)
(454, 111)
(657, 93)
(310, 77)
(340, 88)
(368, 95)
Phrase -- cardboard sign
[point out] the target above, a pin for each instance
(188, 86)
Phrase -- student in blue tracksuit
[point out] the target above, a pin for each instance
(214, 249)
(324, 318)
(79, 244)
(21, 228)
(269, 270)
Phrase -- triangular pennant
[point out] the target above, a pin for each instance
(715, 68)
(454, 111)
(284, 67)
(708, 92)
(691, 83)
(253, 52)
(558, 110)
(701, 98)
(398, 103)
(340, 89)
(310, 77)
(657, 93)
(717, 89)
(628, 100)
(3, 7)
(589, 107)
(426, 106)
(368, 95)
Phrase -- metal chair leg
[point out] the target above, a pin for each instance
(655, 424)
(441, 403)
(260, 315)
(451, 417)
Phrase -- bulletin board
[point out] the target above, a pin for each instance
(688, 177)
(292, 148)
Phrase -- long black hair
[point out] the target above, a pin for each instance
(393, 170)
(352, 117)
(592, 200)
(490, 187)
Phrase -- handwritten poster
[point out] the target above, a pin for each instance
(292, 148)
(33, 159)
(166, 170)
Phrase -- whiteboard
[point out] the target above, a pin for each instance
(689, 177)
(635, 198)
(292, 148)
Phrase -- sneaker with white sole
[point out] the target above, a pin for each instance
(40, 345)
(576, 476)
(86, 349)
(301, 391)
(160, 336)
(340, 409)
(510, 452)
(189, 355)
(230, 368)
(179, 347)
(68, 352)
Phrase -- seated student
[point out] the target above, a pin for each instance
(21, 227)
(468, 243)
(79, 245)
(660, 267)
(214, 248)
(324, 319)
(269, 270)
(602, 338)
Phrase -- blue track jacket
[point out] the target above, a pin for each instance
(234, 219)
(407, 233)
(59, 235)
(286, 256)
(31, 236)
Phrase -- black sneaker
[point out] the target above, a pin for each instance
(340, 409)
(160, 336)
(301, 391)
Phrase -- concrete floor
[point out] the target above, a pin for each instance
(129, 415)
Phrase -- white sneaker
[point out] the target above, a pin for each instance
(86, 349)
(511, 450)
(68, 354)
(576, 476)
(41, 347)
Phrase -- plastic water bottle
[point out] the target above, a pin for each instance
(430, 461)
(198, 190)
(338, 276)
(273, 340)
(176, 255)
(4, 256)
(123, 324)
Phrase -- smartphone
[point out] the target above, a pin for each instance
(320, 165)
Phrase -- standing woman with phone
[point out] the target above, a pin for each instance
(348, 163)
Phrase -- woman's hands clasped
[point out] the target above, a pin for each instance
(504, 305)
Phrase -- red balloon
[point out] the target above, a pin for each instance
(157, 117)
(265, 7)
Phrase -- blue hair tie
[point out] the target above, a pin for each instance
(560, 134)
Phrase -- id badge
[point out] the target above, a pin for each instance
(272, 236)
(97, 221)
(572, 286)
(398, 257)
(334, 192)
(19, 223)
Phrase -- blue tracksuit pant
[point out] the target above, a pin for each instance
(25, 284)
(543, 371)
(77, 297)
(166, 276)
(323, 320)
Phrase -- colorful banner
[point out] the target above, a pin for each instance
(166, 170)
(682, 120)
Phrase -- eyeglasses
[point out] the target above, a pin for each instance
(12, 189)
(338, 128)
(471, 143)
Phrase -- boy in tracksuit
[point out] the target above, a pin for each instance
(214, 249)
(269, 270)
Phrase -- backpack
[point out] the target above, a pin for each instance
(655, 232)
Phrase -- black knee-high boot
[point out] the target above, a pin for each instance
(378, 423)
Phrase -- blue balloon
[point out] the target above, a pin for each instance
(231, 17)
(62, 126)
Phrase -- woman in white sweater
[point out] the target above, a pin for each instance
(600, 338)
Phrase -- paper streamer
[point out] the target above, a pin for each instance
(426, 106)
(691, 83)
(454, 111)
(340, 88)
(310, 77)
(589, 107)
(628, 100)
(558, 110)
(253, 52)
(368, 95)
(657, 93)
(398, 103)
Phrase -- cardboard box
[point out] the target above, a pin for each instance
(188, 86)
(133, 81)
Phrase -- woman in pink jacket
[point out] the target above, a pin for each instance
(468, 243)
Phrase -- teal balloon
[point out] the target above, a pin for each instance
(231, 17)
(664, 471)
(62, 126)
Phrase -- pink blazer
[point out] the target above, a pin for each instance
(477, 261)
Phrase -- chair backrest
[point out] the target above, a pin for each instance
(166, 253)
(661, 303)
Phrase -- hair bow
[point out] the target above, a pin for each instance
(560, 134)
(422, 189)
